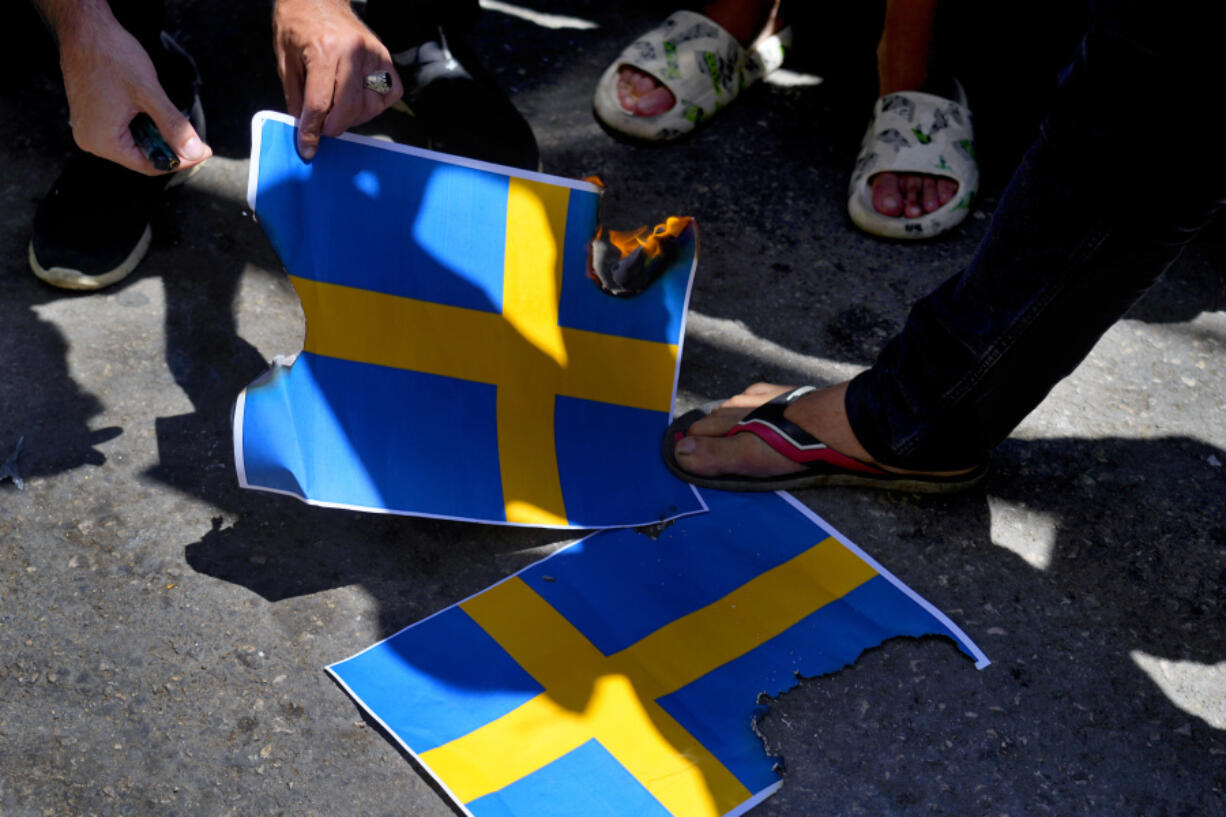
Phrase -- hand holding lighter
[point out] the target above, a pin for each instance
(151, 143)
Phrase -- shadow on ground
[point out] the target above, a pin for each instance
(1116, 565)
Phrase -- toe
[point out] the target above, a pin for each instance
(716, 424)
(641, 93)
(626, 95)
(642, 81)
(912, 186)
(764, 390)
(928, 198)
(654, 102)
(887, 197)
(744, 454)
(720, 421)
(946, 190)
(631, 84)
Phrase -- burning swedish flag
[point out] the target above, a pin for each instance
(458, 361)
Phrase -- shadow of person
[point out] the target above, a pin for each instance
(40, 402)
(273, 545)
(1139, 542)
(1091, 574)
(1194, 284)
(276, 547)
(39, 399)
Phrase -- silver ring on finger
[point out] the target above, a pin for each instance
(380, 82)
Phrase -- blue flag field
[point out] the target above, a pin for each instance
(619, 676)
(458, 362)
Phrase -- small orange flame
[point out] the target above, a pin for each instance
(627, 241)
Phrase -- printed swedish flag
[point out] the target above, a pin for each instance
(458, 362)
(620, 675)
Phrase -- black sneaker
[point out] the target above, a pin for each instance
(459, 106)
(92, 229)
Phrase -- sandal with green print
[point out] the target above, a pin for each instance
(700, 63)
(915, 132)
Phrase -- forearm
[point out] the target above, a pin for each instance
(110, 78)
(72, 21)
(905, 48)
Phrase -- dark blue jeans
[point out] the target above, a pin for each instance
(1125, 172)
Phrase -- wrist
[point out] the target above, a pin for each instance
(82, 29)
(74, 23)
(315, 5)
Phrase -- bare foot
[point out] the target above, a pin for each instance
(911, 194)
(642, 94)
(706, 452)
(747, 20)
(903, 56)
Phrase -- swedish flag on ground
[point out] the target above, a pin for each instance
(458, 362)
(619, 676)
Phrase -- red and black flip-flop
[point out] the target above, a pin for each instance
(823, 466)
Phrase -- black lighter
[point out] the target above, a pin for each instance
(151, 143)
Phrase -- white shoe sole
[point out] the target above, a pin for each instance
(66, 278)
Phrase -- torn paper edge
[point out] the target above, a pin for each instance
(737, 811)
(257, 122)
(240, 468)
(981, 660)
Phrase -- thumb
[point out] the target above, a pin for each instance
(178, 132)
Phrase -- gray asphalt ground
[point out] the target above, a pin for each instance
(163, 633)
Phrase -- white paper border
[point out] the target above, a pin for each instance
(981, 660)
(258, 120)
(257, 123)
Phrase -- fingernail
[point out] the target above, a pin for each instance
(194, 150)
(687, 446)
(889, 201)
(307, 152)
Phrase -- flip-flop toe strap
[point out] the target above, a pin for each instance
(768, 424)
